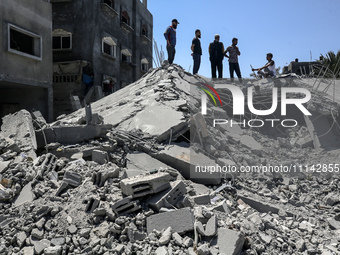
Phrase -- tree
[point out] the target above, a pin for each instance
(332, 62)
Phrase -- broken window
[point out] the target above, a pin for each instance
(125, 18)
(144, 64)
(126, 56)
(109, 46)
(144, 30)
(62, 40)
(23, 42)
(109, 3)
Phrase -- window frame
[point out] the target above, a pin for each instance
(37, 42)
(128, 56)
(113, 46)
(62, 34)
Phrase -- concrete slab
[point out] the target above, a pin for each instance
(229, 242)
(185, 161)
(20, 126)
(4, 166)
(144, 162)
(71, 134)
(25, 195)
(180, 221)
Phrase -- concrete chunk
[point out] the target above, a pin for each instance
(139, 186)
(229, 242)
(201, 199)
(169, 198)
(20, 126)
(180, 221)
(101, 157)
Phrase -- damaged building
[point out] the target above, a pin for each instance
(123, 177)
(26, 59)
(108, 41)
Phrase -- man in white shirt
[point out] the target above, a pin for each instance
(269, 68)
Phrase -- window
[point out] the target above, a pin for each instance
(109, 3)
(62, 40)
(144, 65)
(24, 43)
(109, 46)
(126, 56)
(144, 31)
(125, 18)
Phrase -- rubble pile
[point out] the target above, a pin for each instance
(124, 183)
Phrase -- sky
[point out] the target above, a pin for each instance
(289, 29)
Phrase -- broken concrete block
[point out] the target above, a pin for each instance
(201, 199)
(5, 194)
(166, 236)
(229, 242)
(139, 186)
(73, 179)
(126, 205)
(209, 229)
(169, 198)
(20, 126)
(99, 178)
(71, 134)
(177, 238)
(101, 157)
(92, 204)
(180, 221)
(223, 207)
(305, 142)
(4, 166)
(55, 250)
(25, 195)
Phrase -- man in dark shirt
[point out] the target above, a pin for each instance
(234, 52)
(170, 37)
(216, 52)
(196, 51)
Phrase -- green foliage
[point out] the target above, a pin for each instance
(332, 61)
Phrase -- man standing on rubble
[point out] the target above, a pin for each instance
(196, 51)
(216, 53)
(269, 68)
(234, 52)
(170, 37)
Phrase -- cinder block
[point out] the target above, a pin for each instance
(92, 204)
(126, 205)
(100, 177)
(73, 179)
(168, 198)
(139, 186)
(180, 221)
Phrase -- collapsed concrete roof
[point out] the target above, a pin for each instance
(157, 104)
(96, 191)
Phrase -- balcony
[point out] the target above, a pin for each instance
(108, 10)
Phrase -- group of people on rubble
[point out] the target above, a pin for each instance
(217, 54)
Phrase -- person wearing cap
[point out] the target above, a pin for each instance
(234, 52)
(269, 68)
(196, 51)
(216, 53)
(170, 37)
